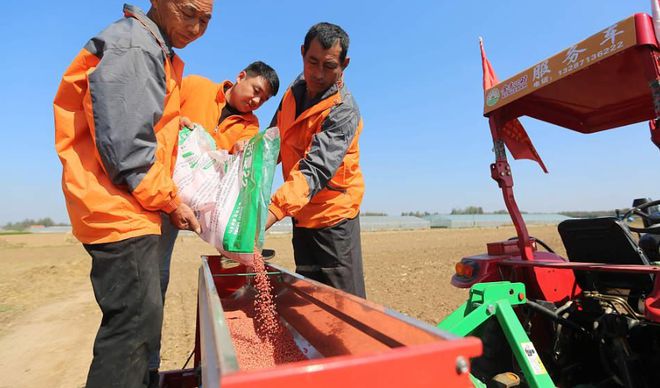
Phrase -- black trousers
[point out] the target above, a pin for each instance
(126, 280)
(331, 255)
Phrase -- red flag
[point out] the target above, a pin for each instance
(655, 133)
(512, 132)
(655, 7)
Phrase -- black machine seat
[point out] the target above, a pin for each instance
(604, 240)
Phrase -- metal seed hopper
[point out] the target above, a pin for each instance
(348, 341)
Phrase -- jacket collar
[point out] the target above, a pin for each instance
(221, 98)
(329, 98)
(299, 87)
(137, 13)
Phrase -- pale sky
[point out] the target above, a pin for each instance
(415, 72)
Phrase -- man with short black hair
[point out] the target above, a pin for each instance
(225, 109)
(320, 124)
(116, 131)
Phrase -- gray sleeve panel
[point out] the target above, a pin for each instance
(124, 34)
(329, 146)
(128, 93)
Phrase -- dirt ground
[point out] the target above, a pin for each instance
(48, 315)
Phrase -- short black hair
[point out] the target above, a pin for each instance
(261, 69)
(328, 34)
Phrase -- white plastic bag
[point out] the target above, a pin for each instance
(229, 193)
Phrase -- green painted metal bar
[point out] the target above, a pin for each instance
(496, 299)
(469, 323)
(454, 318)
(476, 382)
(481, 305)
(523, 349)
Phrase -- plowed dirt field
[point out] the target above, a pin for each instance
(48, 315)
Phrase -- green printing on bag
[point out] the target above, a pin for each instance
(183, 134)
(248, 218)
(271, 153)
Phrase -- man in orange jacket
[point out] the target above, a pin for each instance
(225, 111)
(320, 124)
(116, 131)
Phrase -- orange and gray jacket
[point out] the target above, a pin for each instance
(323, 183)
(202, 101)
(116, 131)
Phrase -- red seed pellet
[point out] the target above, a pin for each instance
(259, 339)
(268, 325)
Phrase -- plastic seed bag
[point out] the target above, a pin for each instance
(229, 193)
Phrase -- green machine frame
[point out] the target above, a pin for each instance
(497, 299)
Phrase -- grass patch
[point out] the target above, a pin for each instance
(4, 308)
(12, 232)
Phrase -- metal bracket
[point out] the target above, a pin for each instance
(496, 300)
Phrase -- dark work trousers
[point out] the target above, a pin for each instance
(126, 280)
(168, 235)
(331, 255)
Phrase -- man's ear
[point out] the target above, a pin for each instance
(302, 49)
(241, 76)
(344, 65)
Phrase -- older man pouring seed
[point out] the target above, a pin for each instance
(116, 129)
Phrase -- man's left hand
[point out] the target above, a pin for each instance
(238, 147)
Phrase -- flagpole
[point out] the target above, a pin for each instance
(500, 171)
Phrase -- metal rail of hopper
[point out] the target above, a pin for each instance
(349, 341)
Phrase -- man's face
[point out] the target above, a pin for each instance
(183, 20)
(249, 93)
(322, 67)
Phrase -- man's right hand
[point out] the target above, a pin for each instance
(184, 218)
(185, 122)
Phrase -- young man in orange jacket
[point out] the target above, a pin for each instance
(320, 124)
(225, 111)
(116, 131)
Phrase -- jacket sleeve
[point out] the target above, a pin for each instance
(251, 129)
(236, 128)
(128, 91)
(322, 159)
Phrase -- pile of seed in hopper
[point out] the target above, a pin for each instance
(259, 339)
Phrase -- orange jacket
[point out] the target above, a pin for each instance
(116, 131)
(323, 183)
(202, 101)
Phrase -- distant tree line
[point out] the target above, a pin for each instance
(373, 214)
(480, 210)
(418, 214)
(590, 214)
(26, 223)
(468, 210)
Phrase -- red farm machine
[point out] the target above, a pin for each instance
(591, 319)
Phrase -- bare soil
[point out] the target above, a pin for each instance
(48, 315)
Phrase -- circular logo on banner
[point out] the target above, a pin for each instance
(493, 96)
